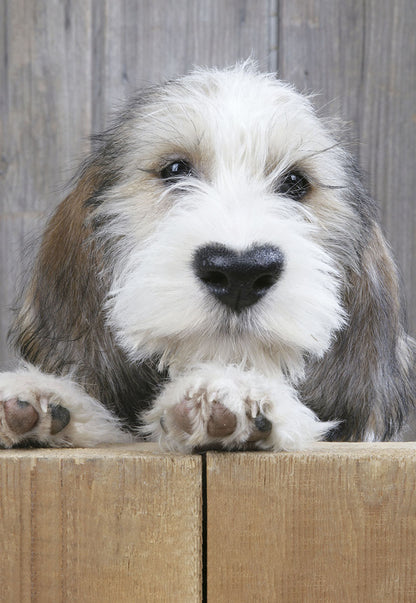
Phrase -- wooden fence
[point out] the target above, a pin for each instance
(65, 64)
(130, 524)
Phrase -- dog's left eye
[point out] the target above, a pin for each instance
(176, 170)
(293, 185)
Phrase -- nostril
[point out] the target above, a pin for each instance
(265, 282)
(214, 279)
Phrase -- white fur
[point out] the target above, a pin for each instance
(91, 424)
(243, 392)
(158, 305)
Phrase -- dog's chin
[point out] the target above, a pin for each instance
(240, 339)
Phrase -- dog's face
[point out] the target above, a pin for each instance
(230, 222)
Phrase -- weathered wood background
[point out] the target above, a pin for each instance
(66, 63)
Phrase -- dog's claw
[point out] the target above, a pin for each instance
(163, 424)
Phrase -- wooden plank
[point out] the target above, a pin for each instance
(45, 99)
(321, 46)
(139, 43)
(113, 524)
(360, 56)
(337, 523)
(389, 129)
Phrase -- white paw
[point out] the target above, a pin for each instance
(224, 406)
(52, 411)
(27, 413)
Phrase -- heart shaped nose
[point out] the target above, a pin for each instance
(238, 279)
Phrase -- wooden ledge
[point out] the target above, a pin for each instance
(95, 525)
(336, 523)
(152, 449)
(132, 523)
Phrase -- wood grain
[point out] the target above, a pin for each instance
(337, 523)
(139, 43)
(121, 524)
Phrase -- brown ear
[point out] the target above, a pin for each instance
(367, 378)
(62, 301)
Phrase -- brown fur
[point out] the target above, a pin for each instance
(65, 279)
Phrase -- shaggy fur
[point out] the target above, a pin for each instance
(122, 309)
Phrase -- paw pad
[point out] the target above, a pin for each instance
(262, 429)
(222, 422)
(60, 417)
(35, 416)
(20, 416)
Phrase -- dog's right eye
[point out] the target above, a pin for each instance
(176, 170)
(293, 185)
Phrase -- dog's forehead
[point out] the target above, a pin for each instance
(239, 97)
(221, 112)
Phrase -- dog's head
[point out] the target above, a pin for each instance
(231, 222)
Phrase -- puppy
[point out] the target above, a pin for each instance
(217, 278)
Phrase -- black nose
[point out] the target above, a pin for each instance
(238, 279)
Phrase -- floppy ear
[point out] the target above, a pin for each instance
(61, 302)
(367, 379)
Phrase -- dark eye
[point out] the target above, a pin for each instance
(293, 185)
(176, 170)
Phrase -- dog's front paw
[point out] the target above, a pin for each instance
(30, 415)
(231, 409)
(204, 419)
(48, 410)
